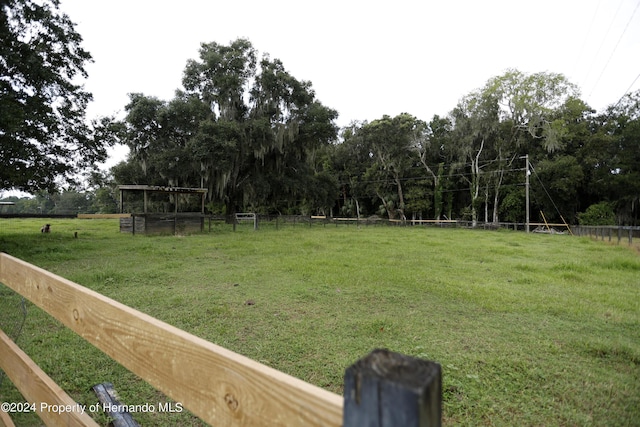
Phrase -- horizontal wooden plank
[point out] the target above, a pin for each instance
(245, 216)
(358, 219)
(426, 221)
(53, 405)
(108, 398)
(103, 216)
(5, 420)
(221, 387)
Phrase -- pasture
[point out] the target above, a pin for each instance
(529, 329)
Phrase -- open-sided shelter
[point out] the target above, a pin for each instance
(169, 220)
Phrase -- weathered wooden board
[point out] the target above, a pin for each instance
(107, 396)
(162, 224)
(103, 216)
(387, 389)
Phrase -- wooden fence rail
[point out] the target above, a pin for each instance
(220, 387)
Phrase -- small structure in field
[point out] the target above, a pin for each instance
(157, 211)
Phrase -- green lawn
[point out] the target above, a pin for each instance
(529, 329)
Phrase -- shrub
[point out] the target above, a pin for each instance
(598, 214)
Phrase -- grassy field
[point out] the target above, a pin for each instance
(529, 329)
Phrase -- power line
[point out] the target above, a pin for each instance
(545, 190)
(428, 178)
(584, 42)
(628, 89)
(603, 40)
(614, 48)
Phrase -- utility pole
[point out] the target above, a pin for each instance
(526, 188)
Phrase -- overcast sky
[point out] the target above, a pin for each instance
(365, 58)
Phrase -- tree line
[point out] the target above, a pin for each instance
(259, 140)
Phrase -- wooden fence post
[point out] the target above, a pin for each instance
(109, 400)
(387, 389)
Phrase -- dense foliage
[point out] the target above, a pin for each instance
(471, 164)
(260, 142)
(44, 137)
(244, 128)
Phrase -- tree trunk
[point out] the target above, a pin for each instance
(391, 212)
(230, 208)
(437, 191)
(400, 198)
(486, 203)
(475, 184)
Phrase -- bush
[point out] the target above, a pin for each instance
(598, 214)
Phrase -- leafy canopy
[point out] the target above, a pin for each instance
(243, 127)
(43, 133)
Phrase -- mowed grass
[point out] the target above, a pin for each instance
(529, 329)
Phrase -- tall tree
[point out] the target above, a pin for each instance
(529, 103)
(350, 160)
(390, 141)
(262, 125)
(511, 115)
(433, 145)
(159, 135)
(611, 158)
(529, 106)
(556, 192)
(476, 125)
(43, 133)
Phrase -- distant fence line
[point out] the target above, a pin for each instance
(37, 215)
(608, 232)
(278, 220)
(601, 232)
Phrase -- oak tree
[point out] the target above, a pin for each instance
(43, 132)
